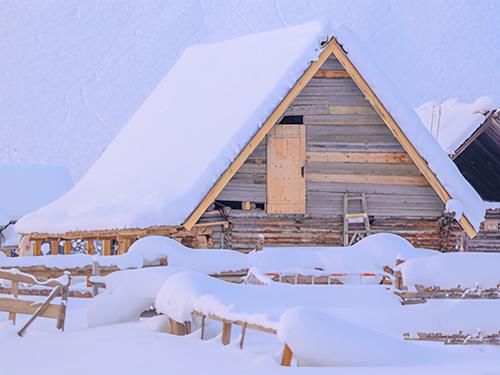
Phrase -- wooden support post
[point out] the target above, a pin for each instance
(14, 289)
(399, 280)
(226, 332)
(90, 246)
(96, 271)
(106, 247)
(286, 359)
(37, 250)
(203, 318)
(67, 247)
(123, 244)
(243, 331)
(54, 247)
(177, 328)
(64, 301)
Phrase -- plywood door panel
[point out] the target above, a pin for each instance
(286, 189)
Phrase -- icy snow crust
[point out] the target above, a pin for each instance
(199, 118)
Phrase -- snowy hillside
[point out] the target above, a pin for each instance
(73, 72)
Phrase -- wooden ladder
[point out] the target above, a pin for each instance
(352, 236)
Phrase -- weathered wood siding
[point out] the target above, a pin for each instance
(348, 149)
(488, 238)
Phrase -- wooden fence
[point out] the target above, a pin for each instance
(45, 309)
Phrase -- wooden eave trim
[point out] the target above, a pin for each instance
(480, 130)
(421, 164)
(114, 233)
(257, 138)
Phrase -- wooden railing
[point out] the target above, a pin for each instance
(45, 309)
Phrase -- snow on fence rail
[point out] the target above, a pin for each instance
(448, 276)
(187, 295)
(44, 309)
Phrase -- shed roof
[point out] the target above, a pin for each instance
(201, 116)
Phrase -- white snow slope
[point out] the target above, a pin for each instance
(73, 72)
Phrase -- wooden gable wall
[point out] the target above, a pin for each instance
(348, 149)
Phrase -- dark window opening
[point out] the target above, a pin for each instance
(238, 205)
(291, 120)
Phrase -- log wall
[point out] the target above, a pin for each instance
(348, 149)
(488, 238)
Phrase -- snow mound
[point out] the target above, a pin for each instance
(320, 339)
(202, 260)
(127, 294)
(187, 291)
(453, 269)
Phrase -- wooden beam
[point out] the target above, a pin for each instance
(368, 179)
(18, 306)
(286, 359)
(351, 110)
(54, 247)
(90, 246)
(257, 138)
(106, 247)
(123, 244)
(67, 247)
(360, 157)
(226, 332)
(37, 249)
(421, 164)
(330, 73)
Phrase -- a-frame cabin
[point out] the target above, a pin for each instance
(330, 159)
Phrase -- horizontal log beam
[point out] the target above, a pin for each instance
(374, 179)
(29, 307)
(330, 73)
(351, 110)
(360, 157)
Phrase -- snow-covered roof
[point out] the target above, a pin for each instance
(452, 122)
(198, 119)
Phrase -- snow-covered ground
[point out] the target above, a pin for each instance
(74, 72)
(351, 329)
(144, 347)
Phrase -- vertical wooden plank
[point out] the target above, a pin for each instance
(90, 246)
(286, 188)
(67, 247)
(54, 247)
(37, 250)
(286, 359)
(14, 290)
(106, 247)
(226, 332)
(123, 244)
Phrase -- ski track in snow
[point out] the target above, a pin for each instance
(73, 73)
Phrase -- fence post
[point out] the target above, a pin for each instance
(95, 272)
(286, 359)
(226, 332)
(14, 290)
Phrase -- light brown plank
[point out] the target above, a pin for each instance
(351, 110)
(331, 74)
(357, 179)
(360, 157)
(28, 307)
(286, 187)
